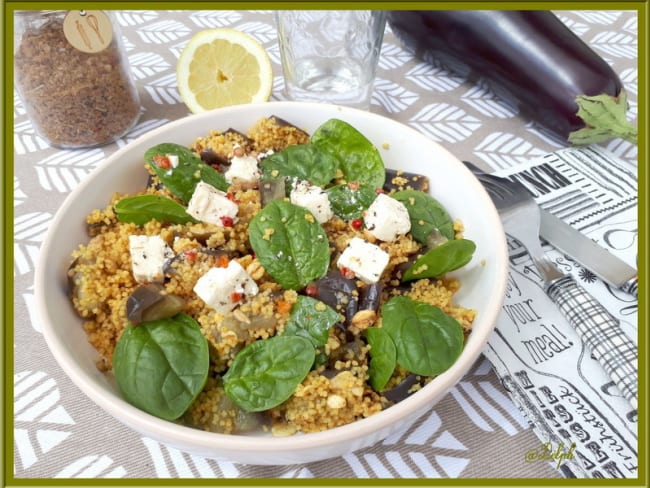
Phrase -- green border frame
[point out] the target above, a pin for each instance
(6, 190)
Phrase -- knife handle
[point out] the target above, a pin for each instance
(601, 332)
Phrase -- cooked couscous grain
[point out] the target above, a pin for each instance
(337, 390)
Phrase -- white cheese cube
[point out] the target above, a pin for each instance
(224, 288)
(367, 261)
(173, 160)
(313, 198)
(387, 218)
(148, 256)
(243, 169)
(212, 206)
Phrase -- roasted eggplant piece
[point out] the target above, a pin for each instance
(403, 180)
(272, 189)
(338, 292)
(150, 302)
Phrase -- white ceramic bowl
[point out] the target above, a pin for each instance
(483, 279)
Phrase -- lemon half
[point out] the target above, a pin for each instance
(221, 67)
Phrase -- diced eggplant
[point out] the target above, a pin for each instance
(247, 141)
(272, 189)
(370, 297)
(402, 180)
(403, 389)
(435, 239)
(240, 323)
(283, 123)
(149, 302)
(77, 282)
(209, 156)
(338, 292)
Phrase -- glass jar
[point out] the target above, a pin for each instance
(73, 76)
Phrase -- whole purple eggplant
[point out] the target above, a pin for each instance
(532, 60)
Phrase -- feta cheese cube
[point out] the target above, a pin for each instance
(148, 256)
(387, 218)
(313, 198)
(224, 288)
(212, 206)
(243, 169)
(173, 160)
(367, 261)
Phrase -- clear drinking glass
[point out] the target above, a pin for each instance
(330, 55)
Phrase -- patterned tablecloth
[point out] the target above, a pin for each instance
(476, 431)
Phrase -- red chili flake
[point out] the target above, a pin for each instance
(227, 221)
(162, 161)
(357, 224)
(190, 255)
(222, 262)
(236, 297)
(379, 190)
(311, 290)
(231, 196)
(347, 272)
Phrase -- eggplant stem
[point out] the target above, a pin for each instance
(604, 118)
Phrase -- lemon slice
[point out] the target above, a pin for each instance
(220, 67)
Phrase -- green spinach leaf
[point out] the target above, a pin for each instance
(441, 259)
(182, 180)
(161, 366)
(426, 214)
(427, 340)
(266, 373)
(358, 159)
(311, 319)
(289, 242)
(349, 204)
(305, 162)
(143, 208)
(383, 357)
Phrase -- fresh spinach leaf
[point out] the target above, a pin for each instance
(441, 259)
(290, 243)
(349, 203)
(143, 208)
(358, 159)
(161, 366)
(383, 357)
(182, 180)
(427, 340)
(266, 373)
(311, 319)
(426, 214)
(305, 162)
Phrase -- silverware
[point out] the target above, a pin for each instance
(595, 258)
(597, 328)
(574, 244)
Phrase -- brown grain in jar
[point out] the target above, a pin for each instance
(74, 98)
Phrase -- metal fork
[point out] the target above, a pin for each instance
(597, 328)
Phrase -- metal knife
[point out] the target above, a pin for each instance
(574, 244)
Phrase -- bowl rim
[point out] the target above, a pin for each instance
(189, 436)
